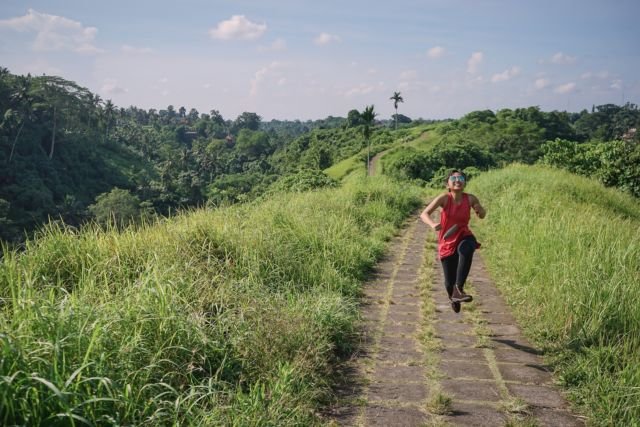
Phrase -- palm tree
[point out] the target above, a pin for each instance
(367, 116)
(23, 111)
(63, 100)
(396, 98)
(109, 117)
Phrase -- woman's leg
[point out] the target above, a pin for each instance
(449, 267)
(465, 251)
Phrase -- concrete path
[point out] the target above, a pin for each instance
(421, 364)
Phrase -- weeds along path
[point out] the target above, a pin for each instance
(419, 363)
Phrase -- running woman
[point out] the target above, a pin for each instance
(456, 242)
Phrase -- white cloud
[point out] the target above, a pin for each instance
(261, 75)
(586, 75)
(325, 38)
(163, 80)
(54, 33)
(565, 88)
(541, 83)
(238, 27)
(561, 58)
(135, 50)
(474, 62)
(616, 84)
(110, 87)
(435, 52)
(505, 75)
(362, 89)
(276, 46)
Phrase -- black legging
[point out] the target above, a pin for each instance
(456, 267)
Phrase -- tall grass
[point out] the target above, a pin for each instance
(566, 252)
(220, 317)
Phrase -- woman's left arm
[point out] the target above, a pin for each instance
(476, 206)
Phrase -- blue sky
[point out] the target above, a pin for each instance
(287, 59)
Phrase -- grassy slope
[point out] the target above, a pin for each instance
(417, 137)
(566, 253)
(224, 317)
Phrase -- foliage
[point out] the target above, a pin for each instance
(304, 180)
(431, 165)
(118, 206)
(61, 146)
(197, 320)
(615, 164)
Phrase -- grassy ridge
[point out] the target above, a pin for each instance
(225, 317)
(566, 253)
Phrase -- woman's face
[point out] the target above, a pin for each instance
(456, 181)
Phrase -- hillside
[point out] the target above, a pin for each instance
(196, 320)
(68, 155)
(565, 252)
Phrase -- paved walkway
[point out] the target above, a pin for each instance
(419, 363)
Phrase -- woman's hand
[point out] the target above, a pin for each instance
(437, 227)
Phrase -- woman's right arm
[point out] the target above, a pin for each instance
(425, 216)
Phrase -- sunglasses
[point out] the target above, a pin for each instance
(454, 178)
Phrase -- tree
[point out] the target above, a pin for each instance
(118, 205)
(396, 98)
(253, 144)
(23, 100)
(368, 116)
(63, 99)
(247, 120)
(354, 118)
(109, 116)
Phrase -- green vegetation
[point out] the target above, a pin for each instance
(217, 317)
(234, 315)
(566, 253)
(614, 163)
(61, 147)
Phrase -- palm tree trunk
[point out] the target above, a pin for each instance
(15, 141)
(368, 156)
(396, 117)
(53, 136)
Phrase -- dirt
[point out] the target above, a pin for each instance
(415, 352)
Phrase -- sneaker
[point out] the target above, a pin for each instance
(460, 296)
(455, 306)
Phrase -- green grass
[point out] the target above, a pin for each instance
(421, 137)
(222, 317)
(566, 253)
(424, 137)
(345, 167)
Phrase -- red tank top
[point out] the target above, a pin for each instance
(454, 214)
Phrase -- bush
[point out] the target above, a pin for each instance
(615, 163)
(304, 180)
(118, 206)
